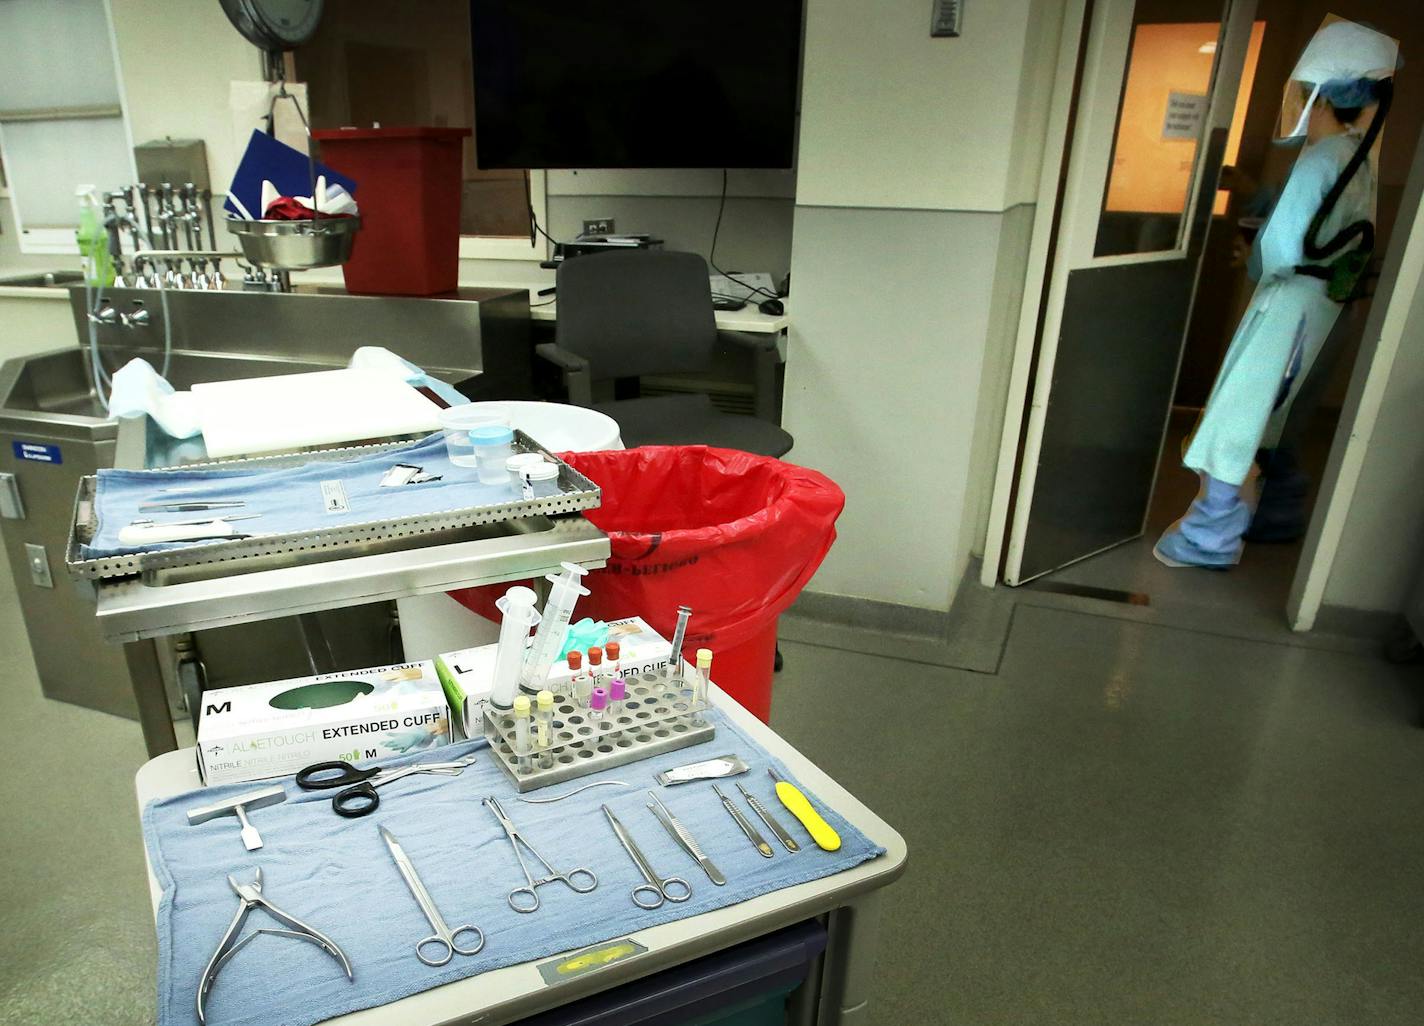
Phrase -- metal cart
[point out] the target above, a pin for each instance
(139, 611)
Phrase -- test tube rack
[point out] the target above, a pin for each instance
(657, 717)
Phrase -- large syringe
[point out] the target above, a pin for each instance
(553, 629)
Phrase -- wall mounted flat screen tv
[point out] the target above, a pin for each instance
(635, 83)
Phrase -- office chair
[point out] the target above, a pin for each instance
(624, 315)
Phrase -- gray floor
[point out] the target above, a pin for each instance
(1248, 602)
(1126, 823)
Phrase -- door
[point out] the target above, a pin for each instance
(1153, 110)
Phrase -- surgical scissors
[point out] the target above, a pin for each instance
(361, 798)
(531, 885)
(656, 884)
(443, 937)
(250, 897)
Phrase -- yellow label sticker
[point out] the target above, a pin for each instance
(566, 966)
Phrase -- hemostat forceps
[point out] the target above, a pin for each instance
(574, 878)
(250, 897)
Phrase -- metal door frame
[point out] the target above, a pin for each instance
(1072, 185)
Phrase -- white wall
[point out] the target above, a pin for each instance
(895, 118)
(176, 58)
(890, 315)
(916, 155)
(1381, 550)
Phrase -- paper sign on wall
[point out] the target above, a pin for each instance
(1185, 112)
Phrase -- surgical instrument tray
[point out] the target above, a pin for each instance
(228, 556)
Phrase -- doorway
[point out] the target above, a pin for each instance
(1123, 565)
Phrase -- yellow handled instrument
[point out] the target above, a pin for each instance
(791, 797)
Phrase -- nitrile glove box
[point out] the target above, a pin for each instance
(468, 675)
(276, 728)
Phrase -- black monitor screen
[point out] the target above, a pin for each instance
(635, 83)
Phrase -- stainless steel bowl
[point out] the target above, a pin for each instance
(296, 245)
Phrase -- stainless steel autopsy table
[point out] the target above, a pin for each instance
(135, 611)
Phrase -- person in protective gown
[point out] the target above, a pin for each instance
(1307, 259)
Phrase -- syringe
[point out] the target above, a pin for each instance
(674, 666)
(517, 605)
(553, 627)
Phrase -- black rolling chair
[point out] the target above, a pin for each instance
(625, 315)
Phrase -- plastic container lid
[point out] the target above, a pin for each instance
(618, 689)
(704, 657)
(540, 472)
(525, 459)
(546, 700)
(521, 705)
(611, 650)
(595, 655)
(599, 698)
(575, 660)
(490, 434)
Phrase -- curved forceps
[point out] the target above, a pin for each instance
(656, 889)
(250, 897)
(360, 798)
(444, 938)
(575, 879)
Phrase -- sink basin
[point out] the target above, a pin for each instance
(43, 279)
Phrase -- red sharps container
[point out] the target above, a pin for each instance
(408, 183)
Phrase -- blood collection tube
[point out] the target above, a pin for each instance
(598, 707)
(617, 693)
(611, 666)
(595, 665)
(544, 728)
(700, 684)
(521, 731)
(576, 682)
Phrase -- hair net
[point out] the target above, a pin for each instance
(1343, 58)
(1349, 93)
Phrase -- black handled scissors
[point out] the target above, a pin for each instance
(359, 797)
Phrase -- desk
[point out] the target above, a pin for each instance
(749, 318)
(838, 995)
(546, 308)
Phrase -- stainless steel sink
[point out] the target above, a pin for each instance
(43, 279)
(54, 390)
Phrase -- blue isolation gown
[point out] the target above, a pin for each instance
(1287, 320)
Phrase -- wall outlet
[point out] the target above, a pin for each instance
(598, 226)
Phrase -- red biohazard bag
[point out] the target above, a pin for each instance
(733, 535)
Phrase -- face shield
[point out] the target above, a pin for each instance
(1338, 63)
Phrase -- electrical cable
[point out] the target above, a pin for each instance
(712, 254)
(1362, 228)
(1344, 272)
(533, 218)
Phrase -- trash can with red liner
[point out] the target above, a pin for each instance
(732, 535)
